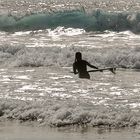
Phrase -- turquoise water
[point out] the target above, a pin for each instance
(89, 15)
(94, 21)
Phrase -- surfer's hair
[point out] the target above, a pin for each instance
(78, 56)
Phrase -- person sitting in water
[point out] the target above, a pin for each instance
(80, 66)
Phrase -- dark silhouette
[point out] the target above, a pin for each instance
(80, 66)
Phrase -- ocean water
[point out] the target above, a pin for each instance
(39, 39)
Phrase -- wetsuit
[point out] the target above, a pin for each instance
(81, 67)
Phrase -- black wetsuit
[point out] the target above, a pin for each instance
(81, 67)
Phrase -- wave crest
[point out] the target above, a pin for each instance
(95, 21)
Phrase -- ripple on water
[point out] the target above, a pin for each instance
(25, 77)
(26, 88)
(116, 93)
(61, 77)
(51, 89)
(80, 91)
(134, 105)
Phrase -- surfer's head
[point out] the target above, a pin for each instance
(78, 56)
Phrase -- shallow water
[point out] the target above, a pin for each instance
(16, 131)
(104, 88)
(54, 96)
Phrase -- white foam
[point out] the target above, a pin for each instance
(3, 69)
(114, 88)
(63, 95)
(54, 78)
(22, 98)
(115, 93)
(102, 101)
(137, 84)
(105, 84)
(5, 82)
(50, 90)
(19, 90)
(57, 84)
(26, 87)
(85, 95)
(61, 77)
(134, 105)
(60, 31)
(18, 71)
(80, 91)
(30, 70)
(48, 45)
(58, 5)
(41, 94)
(136, 90)
(67, 76)
(5, 78)
(2, 33)
(52, 73)
(106, 34)
(70, 81)
(21, 33)
(22, 77)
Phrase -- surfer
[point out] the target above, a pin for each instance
(80, 66)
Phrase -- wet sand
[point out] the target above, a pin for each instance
(18, 131)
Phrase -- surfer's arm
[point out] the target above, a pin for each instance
(92, 66)
(74, 69)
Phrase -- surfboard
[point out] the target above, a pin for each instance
(113, 70)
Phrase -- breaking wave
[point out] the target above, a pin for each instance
(21, 56)
(95, 21)
(66, 114)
